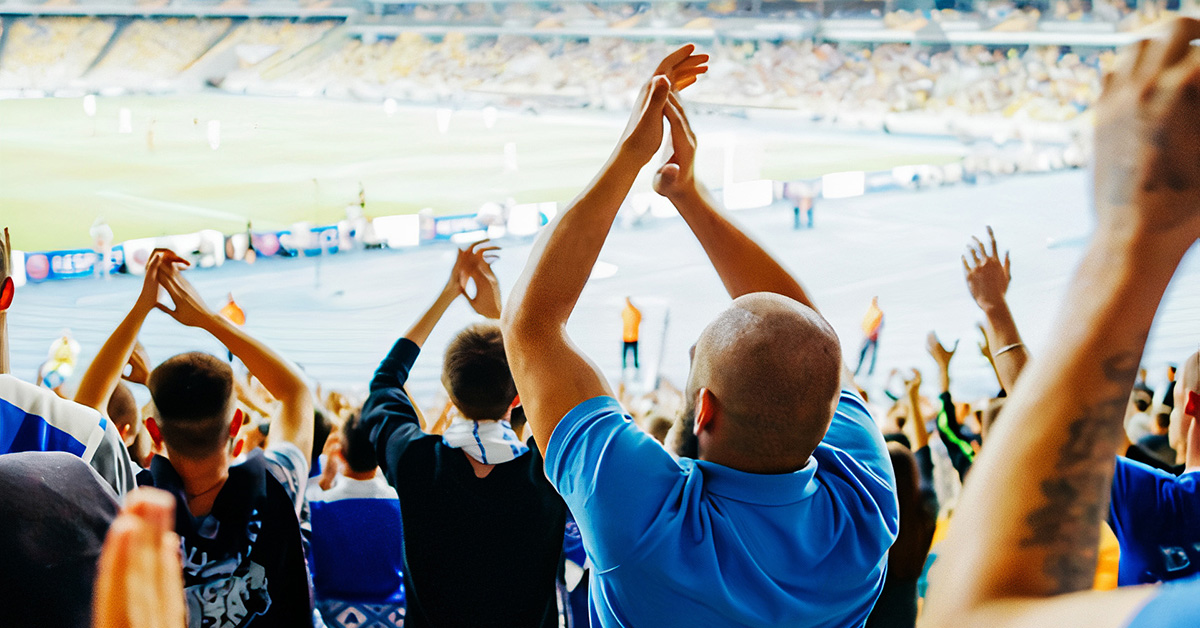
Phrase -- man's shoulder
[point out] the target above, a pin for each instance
(1128, 470)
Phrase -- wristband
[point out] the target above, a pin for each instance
(1007, 348)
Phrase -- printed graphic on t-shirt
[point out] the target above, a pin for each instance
(1177, 561)
(234, 588)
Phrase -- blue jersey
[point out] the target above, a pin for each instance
(357, 542)
(36, 419)
(1156, 518)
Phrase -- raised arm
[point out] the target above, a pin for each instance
(474, 262)
(987, 279)
(394, 418)
(6, 296)
(551, 374)
(743, 265)
(104, 373)
(294, 420)
(950, 429)
(1025, 533)
(913, 395)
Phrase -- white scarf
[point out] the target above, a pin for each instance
(489, 442)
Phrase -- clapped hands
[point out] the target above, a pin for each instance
(644, 134)
(474, 264)
(164, 274)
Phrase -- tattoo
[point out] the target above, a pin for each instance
(1068, 524)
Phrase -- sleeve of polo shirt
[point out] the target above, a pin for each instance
(614, 477)
(388, 412)
(855, 432)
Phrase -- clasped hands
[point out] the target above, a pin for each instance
(658, 99)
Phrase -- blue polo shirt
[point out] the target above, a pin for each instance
(682, 542)
(1175, 605)
(1156, 518)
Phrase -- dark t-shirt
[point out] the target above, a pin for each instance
(477, 551)
(1137, 453)
(1158, 445)
(54, 513)
(243, 564)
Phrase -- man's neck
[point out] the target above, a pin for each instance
(482, 470)
(359, 475)
(202, 479)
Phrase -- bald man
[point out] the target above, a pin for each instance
(784, 507)
(1153, 512)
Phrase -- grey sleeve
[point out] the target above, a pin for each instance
(112, 461)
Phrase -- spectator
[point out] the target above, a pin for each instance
(474, 500)
(1138, 423)
(1022, 547)
(122, 409)
(239, 523)
(357, 543)
(959, 441)
(713, 539)
(35, 419)
(56, 510)
(1153, 512)
(897, 605)
(1158, 441)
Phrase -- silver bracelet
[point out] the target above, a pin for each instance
(1007, 348)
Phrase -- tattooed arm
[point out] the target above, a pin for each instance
(1026, 529)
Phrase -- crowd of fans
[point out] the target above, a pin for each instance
(51, 52)
(311, 57)
(765, 492)
(1049, 83)
(149, 53)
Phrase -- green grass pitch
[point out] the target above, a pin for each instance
(283, 160)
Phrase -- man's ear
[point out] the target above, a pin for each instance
(235, 425)
(706, 411)
(153, 430)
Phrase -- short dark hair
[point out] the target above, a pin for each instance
(122, 407)
(322, 428)
(475, 371)
(193, 393)
(356, 445)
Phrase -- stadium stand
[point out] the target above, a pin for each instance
(998, 60)
(50, 52)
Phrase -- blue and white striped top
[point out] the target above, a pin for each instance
(36, 419)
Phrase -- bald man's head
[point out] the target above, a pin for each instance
(773, 367)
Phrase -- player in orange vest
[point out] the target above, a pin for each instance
(872, 324)
(632, 319)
